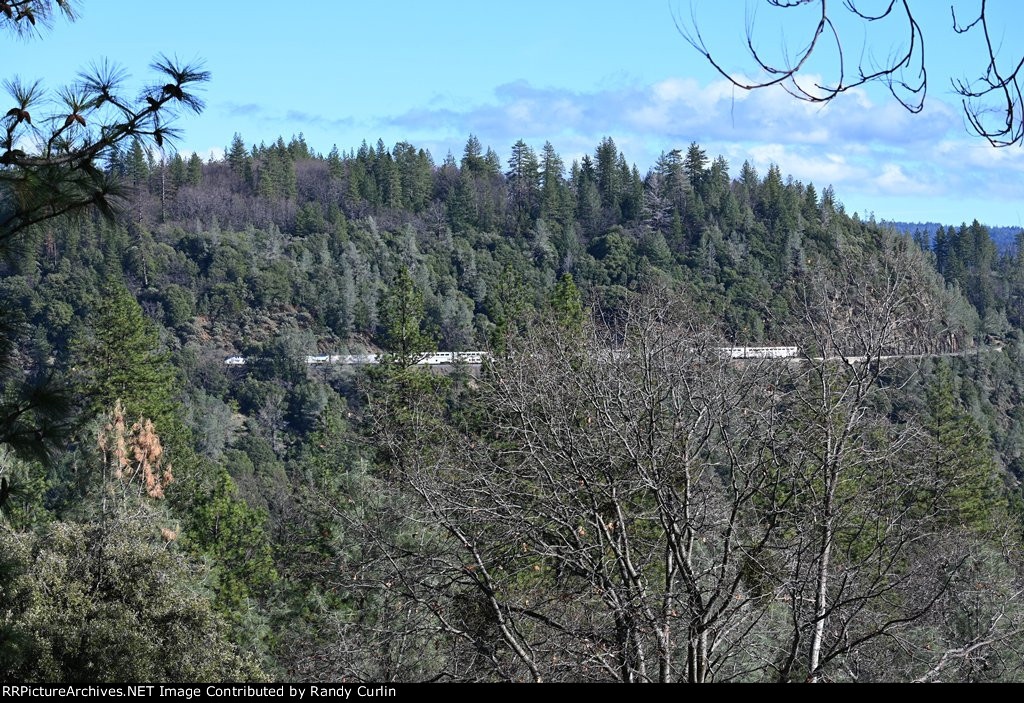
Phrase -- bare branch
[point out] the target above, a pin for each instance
(992, 103)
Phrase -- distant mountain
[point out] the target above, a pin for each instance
(1004, 237)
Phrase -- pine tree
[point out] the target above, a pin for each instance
(749, 181)
(608, 176)
(298, 150)
(566, 304)
(334, 163)
(588, 199)
(507, 306)
(555, 201)
(119, 358)
(137, 165)
(492, 163)
(524, 186)
(472, 155)
(631, 195)
(194, 173)
(694, 166)
(672, 177)
(178, 172)
(238, 156)
(223, 527)
(967, 492)
(463, 210)
(401, 316)
(138, 175)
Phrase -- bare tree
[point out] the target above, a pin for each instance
(628, 504)
(853, 544)
(871, 562)
(992, 103)
(602, 525)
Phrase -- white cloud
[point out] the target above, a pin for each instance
(895, 182)
(215, 153)
(980, 155)
(805, 165)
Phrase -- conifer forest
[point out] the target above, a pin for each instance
(715, 427)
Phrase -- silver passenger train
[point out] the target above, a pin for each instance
(434, 359)
(472, 358)
(760, 352)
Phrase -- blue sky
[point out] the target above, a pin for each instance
(565, 71)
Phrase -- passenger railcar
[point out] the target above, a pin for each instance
(760, 352)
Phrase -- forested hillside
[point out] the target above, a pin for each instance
(280, 233)
(567, 513)
(1005, 238)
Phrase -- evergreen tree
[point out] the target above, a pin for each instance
(607, 174)
(137, 173)
(401, 316)
(566, 303)
(631, 200)
(524, 187)
(492, 164)
(968, 494)
(334, 163)
(555, 201)
(118, 357)
(111, 601)
(694, 166)
(588, 199)
(137, 165)
(749, 182)
(672, 177)
(298, 150)
(389, 181)
(178, 172)
(237, 156)
(223, 527)
(462, 202)
(507, 306)
(415, 172)
(194, 172)
(472, 155)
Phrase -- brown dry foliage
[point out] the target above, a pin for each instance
(135, 452)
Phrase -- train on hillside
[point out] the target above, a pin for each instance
(759, 352)
(475, 358)
(471, 358)
(433, 359)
